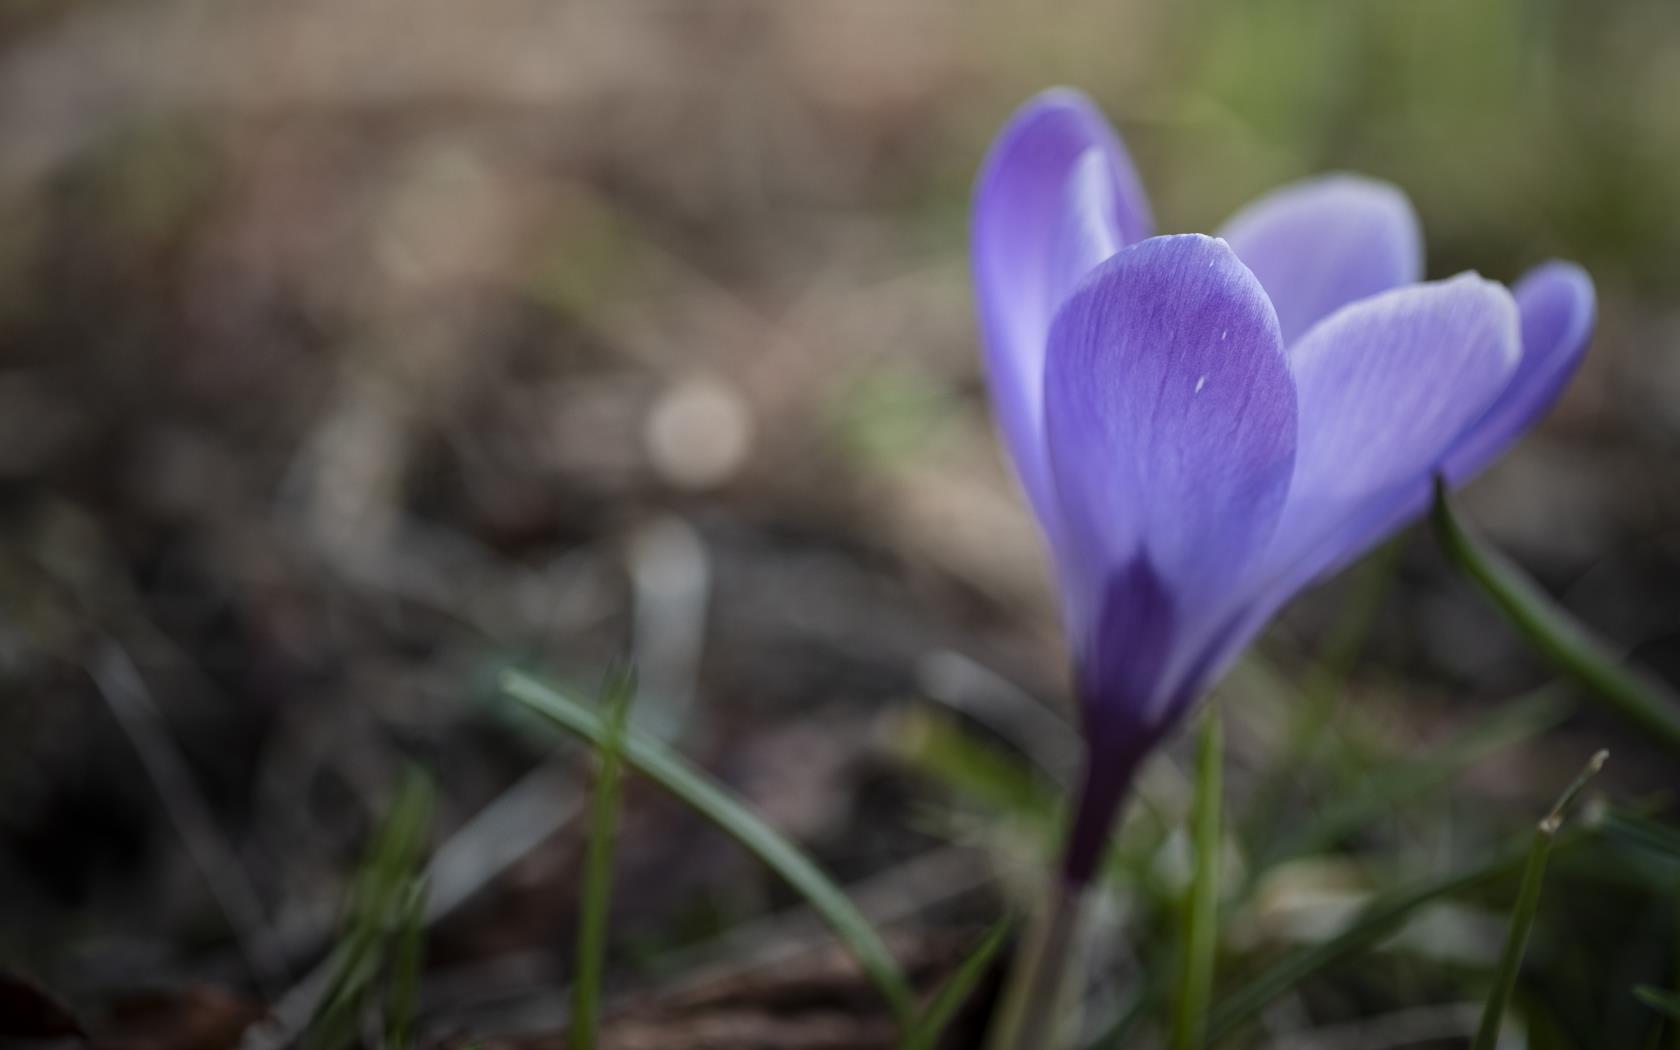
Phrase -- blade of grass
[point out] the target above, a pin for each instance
(1201, 910)
(124, 690)
(1375, 922)
(617, 694)
(708, 798)
(1663, 1002)
(1558, 636)
(1640, 831)
(1035, 1005)
(938, 746)
(377, 898)
(1527, 905)
(936, 1016)
(1511, 724)
(407, 955)
(1672, 995)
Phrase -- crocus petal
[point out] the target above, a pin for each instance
(1557, 305)
(1135, 631)
(1320, 244)
(1090, 229)
(1386, 387)
(1170, 426)
(1056, 196)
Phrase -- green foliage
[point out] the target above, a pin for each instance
(659, 764)
(1527, 905)
(936, 1016)
(617, 695)
(1409, 779)
(1395, 787)
(985, 774)
(1375, 922)
(1663, 1002)
(1570, 647)
(1659, 839)
(384, 920)
(1310, 714)
(1199, 943)
(1402, 783)
(408, 952)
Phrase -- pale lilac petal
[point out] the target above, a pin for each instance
(1170, 426)
(1557, 305)
(1090, 228)
(1320, 244)
(1056, 195)
(1386, 387)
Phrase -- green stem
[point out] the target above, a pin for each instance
(1201, 912)
(597, 865)
(708, 798)
(1527, 905)
(1031, 1005)
(1634, 694)
(1516, 940)
(936, 1016)
(408, 949)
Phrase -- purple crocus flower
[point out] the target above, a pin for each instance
(1204, 426)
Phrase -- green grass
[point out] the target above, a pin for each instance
(937, 1015)
(1637, 696)
(1199, 942)
(408, 953)
(383, 920)
(1663, 1002)
(1374, 923)
(1526, 907)
(617, 695)
(1394, 788)
(1311, 714)
(706, 797)
(1389, 789)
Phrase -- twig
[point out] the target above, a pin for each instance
(124, 691)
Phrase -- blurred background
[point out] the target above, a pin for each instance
(351, 351)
